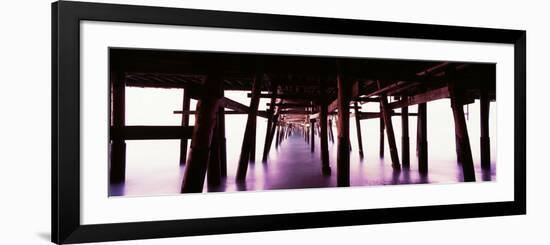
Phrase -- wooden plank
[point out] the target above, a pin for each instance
(249, 137)
(432, 95)
(184, 123)
(117, 169)
(203, 130)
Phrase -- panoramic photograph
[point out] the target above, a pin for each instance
(198, 122)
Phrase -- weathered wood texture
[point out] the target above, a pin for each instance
(184, 123)
(343, 156)
(205, 121)
(358, 127)
(249, 136)
(386, 112)
(118, 145)
(405, 145)
(485, 142)
(461, 132)
(422, 138)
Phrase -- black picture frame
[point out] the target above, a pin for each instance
(66, 17)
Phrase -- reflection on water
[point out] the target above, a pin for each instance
(289, 166)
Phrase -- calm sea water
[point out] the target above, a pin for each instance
(153, 165)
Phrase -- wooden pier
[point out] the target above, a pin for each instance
(306, 96)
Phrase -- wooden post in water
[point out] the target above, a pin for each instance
(221, 137)
(271, 135)
(205, 120)
(382, 126)
(386, 114)
(184, 122)
(249, 139)
(312, 128)
(461, 132)
(358, 126)
(422, 138)
(277, 135)
(330, 130)
(324, 140)
(270, 121)
(118, 145)
(343, 155)
(485, 142)
(405, 146)
(214, 166)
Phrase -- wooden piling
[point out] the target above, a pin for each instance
(277, 135)
(485, 142)
(222, 139)
(205, 120)
(386, 114)
(184, 123)
(330, 130)
(213, 176)
(312, 128)
(324, 140)
(382, 127)
(405, 146)
(461, 132)
(422, 138)
(358, 126)
(270, 122)
(118, 145)
(249, 139)
(343, 156)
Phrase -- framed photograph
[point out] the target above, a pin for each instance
(176, 122)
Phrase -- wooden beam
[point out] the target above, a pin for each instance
(358, 127)
(117, 169)
(343, 156)
(431, 95)
(249, 137)
(152, 132)
(386, 112)
(461, 132)
(191, 112)
(203, 130)
(422, 138)
(236, 106)
(405, 152)
(184, 123)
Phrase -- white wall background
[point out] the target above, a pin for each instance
(25, 121)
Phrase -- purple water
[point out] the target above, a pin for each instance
(153, 165)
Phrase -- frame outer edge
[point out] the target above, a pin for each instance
(54, 139)
(520, 161)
